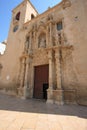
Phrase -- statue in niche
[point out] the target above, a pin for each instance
(42, 42)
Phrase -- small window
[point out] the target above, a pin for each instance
(15, 28)
(17, 16)
(59, 26)
(32, 16)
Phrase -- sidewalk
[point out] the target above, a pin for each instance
(17, 114)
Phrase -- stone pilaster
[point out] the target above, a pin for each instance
(50, 34)
(50, 90)
(58, 68)
(56, 36)
(26, 79)
(58, 93)
(47, 36)
(30, 43)
(30, 47)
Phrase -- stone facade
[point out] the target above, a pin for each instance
(57, 38)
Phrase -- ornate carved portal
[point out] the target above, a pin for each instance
(55, 45)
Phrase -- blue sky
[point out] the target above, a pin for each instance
(6, 7)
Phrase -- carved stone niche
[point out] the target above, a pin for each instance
(66, 3)
(42, 40)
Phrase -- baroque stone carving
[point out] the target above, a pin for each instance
(66, 3)
(49, 17)
(61, 38)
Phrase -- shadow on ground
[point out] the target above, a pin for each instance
(11, 103)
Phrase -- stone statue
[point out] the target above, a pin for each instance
(42, 43)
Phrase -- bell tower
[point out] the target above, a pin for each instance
(24, 12)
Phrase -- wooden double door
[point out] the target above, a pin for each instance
(41, 77)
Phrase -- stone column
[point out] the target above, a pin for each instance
(47, 36)
(59, 92)
(22, 77)
(58, 68)
(26, 79)
(56, 35)
(51, 34)
(50, 90)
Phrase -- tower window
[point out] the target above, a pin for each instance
(15, 28)
(32, 16)
(59, 26)
(17, 16)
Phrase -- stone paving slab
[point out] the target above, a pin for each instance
(18, 114)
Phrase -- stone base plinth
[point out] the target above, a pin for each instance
(55, 96)
(58, 97)
(61, 97)
(49, 96)
(20, 92)
(23, 92)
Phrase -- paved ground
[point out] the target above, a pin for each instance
(17, 114)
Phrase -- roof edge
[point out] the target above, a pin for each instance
(24, 2)
(44, 12)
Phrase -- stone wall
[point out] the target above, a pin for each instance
(39, 42)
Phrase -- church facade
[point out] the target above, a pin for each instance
(45, 55)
